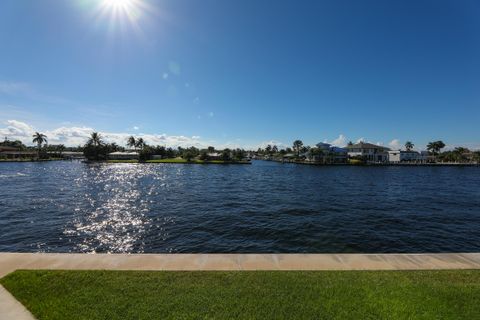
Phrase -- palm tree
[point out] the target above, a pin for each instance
(435, 147)
(95, 141)
(440, 145)
(39, 139)
(409, 145)
(131, 142)
(113, 147)
(297, 146)
(140, 143)
(60, 149)
(268, 149)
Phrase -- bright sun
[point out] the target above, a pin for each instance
(122, 15)
(119, 4)
(121, 9)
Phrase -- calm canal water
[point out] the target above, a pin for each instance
(263, 207)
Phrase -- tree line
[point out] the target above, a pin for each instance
(96, 149)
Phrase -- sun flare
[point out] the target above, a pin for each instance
(119, 4)
(126, 17)
(130, 9)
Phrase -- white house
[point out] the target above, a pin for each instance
(127, 155)
(368, 151)
(396, 156)
(214, 156)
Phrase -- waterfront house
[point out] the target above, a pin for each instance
(6, 148)
(327, 154)
(127, 155)
(66, 154)
(72, 155)
(289, 157)
(15, 153)
(338, 155)
(397, 156)
(323, 146)
(5, 151)
(368, 152)
(214, 156)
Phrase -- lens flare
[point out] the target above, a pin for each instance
(123, 19)
(123, 5)
(120, 9)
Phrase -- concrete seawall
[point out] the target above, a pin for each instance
(10, 262)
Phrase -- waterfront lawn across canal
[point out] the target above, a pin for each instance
(452, 294)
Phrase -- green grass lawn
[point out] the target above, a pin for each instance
(248, 295)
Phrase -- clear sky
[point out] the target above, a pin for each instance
(241, 72)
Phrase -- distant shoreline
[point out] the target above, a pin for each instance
(386, 164)
(180, 161)
(32, 160)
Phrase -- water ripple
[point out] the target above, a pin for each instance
(265, 207)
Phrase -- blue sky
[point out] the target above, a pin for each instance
(241, 73)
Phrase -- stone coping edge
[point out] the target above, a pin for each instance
(10, 262)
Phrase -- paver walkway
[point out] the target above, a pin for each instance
(12, 310)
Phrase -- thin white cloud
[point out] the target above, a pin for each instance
(361, 140)
(211, 114)
(17, 129)
(341, 141)
(395, 144)
(12, 87)
(69, 136)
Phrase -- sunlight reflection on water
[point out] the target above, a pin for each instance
(115, 220)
